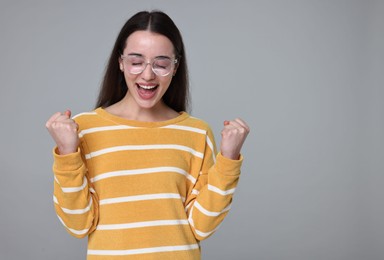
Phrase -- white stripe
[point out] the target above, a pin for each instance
(195, 192)
(219, 191)
(73, 189)
(56, 180)
(125, 127)
(144, 250)
(143, 224)
(104, 128)
(74, 211)
(190, 218)
(204, 234)
(143, 171)
(188, 206)
(186, 128)
(85, 113)
(210, 145)
(142, 197)
(200, 233)
(210, 213)
(143, 147)
(74, 231)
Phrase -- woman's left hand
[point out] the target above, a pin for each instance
(233, 136)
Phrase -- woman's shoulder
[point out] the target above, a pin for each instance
(196, 122)
(86, 119)
(84, 115)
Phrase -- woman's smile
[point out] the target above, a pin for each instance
(146, 91)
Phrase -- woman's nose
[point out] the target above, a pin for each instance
(148, 73)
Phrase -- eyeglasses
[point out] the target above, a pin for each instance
(161, 66)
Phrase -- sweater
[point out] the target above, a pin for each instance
(143, 190)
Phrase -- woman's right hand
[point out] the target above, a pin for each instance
(63, 130)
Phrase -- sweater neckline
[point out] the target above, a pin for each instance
(120, 120)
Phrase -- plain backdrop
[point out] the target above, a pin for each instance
(306, 75)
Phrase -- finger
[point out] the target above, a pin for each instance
(52, 119)
(233, 124)
(243, 123)
(238, 123)
(68, 113)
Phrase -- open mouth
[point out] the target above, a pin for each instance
(147, 87)
(147, 91)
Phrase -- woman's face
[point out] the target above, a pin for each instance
(146, 88)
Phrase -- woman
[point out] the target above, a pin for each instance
(138, 175)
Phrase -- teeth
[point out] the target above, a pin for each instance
(147, 87)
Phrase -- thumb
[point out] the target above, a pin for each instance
(68, 113)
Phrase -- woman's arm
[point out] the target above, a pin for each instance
(75, 201)
(211, 198)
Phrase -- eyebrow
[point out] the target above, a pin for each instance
(141, 55)
(135, 54)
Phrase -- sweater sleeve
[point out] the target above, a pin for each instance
(75, 201)
(211, 197)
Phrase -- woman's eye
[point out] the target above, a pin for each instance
(160, 66)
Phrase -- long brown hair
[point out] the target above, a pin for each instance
(114, 87)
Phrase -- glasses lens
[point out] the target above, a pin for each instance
(136, 64)
(162, 66)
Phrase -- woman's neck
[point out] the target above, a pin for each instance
(130, 110)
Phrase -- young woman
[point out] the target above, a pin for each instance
(138, 175)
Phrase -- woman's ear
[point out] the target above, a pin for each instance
(121, 64)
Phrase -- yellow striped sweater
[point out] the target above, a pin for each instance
(143, 190)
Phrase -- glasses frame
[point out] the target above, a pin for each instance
(173, 63)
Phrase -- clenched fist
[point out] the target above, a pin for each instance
(63, 130)
(233, 136)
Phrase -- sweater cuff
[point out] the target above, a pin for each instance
(228, 166)
(68, 162)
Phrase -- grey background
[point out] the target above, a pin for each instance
(306, 75)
